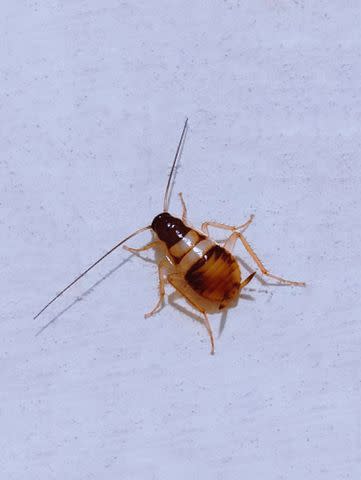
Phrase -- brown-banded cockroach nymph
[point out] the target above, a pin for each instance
(204, 272)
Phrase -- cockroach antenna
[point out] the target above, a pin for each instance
(176, 157)
(89, 268)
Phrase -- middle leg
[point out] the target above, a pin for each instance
(162, 273)
(176, 282)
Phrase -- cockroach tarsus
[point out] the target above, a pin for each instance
(203, 271)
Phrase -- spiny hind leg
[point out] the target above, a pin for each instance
(162, 273)
(142, 249)
(224, 226)
(184, 208)
(176, 282)
(230, 244)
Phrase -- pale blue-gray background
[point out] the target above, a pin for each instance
(93, 96)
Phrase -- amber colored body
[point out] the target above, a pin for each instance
(205, 272)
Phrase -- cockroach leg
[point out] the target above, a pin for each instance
(224, 226)
(172, 279)
(230, 244)
(142, 249)
(163, 273)
(231, 241)
(184, 213)
(246, 224)
(209, 330)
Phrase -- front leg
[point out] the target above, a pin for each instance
(142, 249)
(224, 226)
(184, 208)
(162, 273)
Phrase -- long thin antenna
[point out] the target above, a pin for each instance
(176, 157)
(91, 266)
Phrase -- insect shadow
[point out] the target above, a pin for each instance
(175, 295)
(172, 298)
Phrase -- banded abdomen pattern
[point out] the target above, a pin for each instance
(215, 276)
(209, 269)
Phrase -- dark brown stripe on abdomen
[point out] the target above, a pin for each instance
(215, 276)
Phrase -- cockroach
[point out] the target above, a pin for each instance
(203, 271)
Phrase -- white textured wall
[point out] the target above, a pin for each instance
(93, 96)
